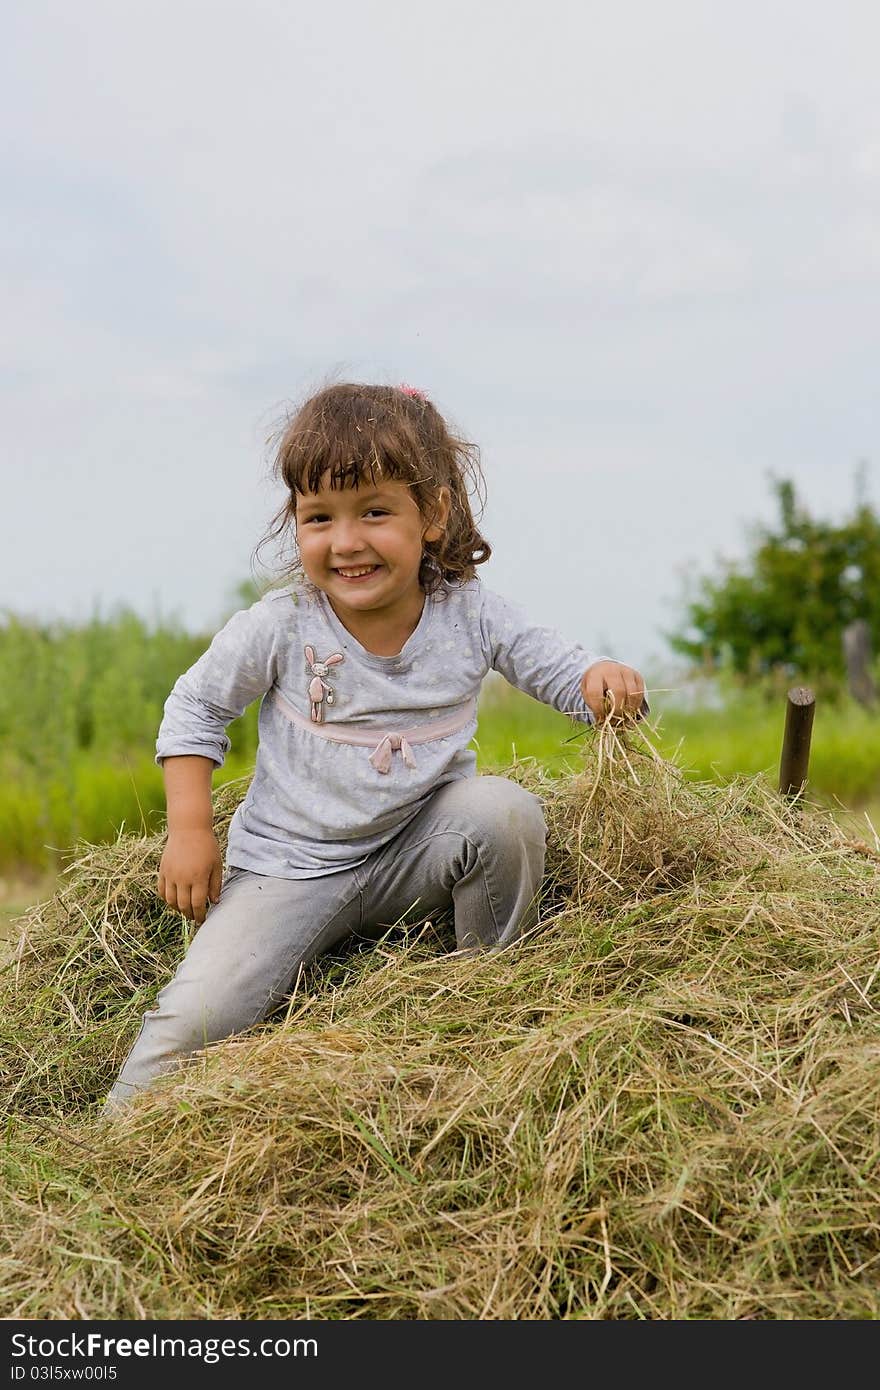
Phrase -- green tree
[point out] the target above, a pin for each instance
(785, 607)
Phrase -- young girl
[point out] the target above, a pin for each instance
(364, 807)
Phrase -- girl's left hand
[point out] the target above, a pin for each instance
(614, 692)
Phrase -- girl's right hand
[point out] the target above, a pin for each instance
(190, 872)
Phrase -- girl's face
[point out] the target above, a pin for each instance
(363, 547)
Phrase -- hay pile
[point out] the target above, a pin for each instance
(661, 1104)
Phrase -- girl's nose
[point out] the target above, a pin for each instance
(346, 538)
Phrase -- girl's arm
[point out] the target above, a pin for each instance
(555, 670)
(191, 868)
(239, 666)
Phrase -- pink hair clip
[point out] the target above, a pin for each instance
(412, 391)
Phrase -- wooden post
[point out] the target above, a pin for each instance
(795, 759)
(857, 654)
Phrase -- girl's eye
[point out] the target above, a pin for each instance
(317, 517)
(377, 511)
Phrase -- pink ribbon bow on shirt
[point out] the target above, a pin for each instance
(390, 744)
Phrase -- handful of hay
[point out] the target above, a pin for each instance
(660, 1103)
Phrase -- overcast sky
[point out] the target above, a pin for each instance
(633, 251)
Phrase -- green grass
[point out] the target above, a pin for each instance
(743, 738)
(42, 819)
(79, 709)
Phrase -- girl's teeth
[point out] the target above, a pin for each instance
(356, 574)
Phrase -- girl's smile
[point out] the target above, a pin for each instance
(363, 547)
(358, 573)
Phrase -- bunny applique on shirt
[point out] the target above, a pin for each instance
(319, 690)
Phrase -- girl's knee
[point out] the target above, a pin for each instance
(496, 808)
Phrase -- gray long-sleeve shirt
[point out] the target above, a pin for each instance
(316, 806)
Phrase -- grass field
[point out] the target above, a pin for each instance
(740, 738)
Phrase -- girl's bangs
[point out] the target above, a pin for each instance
(363, 464)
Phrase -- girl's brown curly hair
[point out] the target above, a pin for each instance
(359, 433)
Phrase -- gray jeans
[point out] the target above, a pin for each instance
(477, 846)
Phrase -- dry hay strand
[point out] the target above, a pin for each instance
(660, 1103)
